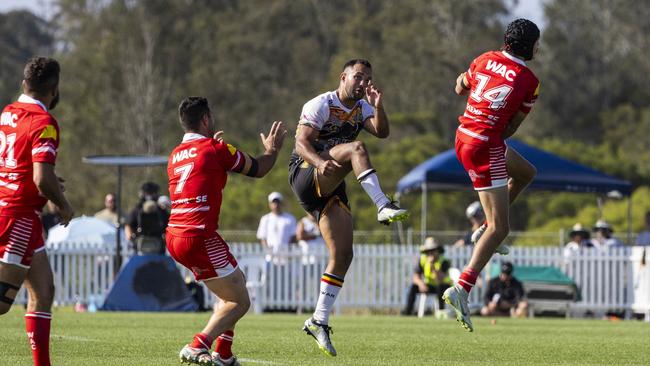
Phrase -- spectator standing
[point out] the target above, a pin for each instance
(146, 224)
(603, 236)
(277, 230)
(505, 295)
(309, 239)
(579, 239)
(109, 213)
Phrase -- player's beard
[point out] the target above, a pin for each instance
(356, 93)
(54, 101)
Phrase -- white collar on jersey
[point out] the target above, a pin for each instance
(29, 100)
(191, 136)
(513, 58)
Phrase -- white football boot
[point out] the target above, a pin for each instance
(196, 356)
(456, 297)
(321, 333)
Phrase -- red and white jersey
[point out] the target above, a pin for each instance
(501, 85)
(198, 170)
(28, 134)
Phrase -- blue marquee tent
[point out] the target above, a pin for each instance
(444, 172)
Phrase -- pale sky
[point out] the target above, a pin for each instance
(529, 9)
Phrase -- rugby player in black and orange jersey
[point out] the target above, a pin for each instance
(326, 151)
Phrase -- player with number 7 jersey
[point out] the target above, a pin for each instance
(198, 170)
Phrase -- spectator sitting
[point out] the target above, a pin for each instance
(505, 295)
(579, 239)
(309, 239)
(603, 237)
(644, 236)
(147, 222)
(431, 274)
(277, 229)
(109, 213)
(476, 217)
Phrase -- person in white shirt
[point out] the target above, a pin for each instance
(310, 240)
(579, 239)
(603, 238)
(277, 230)
(644, 236)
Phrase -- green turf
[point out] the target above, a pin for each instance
(155, 339)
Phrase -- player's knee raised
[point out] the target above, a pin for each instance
(359, 147)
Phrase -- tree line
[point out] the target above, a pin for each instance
(127, 64)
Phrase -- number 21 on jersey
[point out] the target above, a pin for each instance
(7, 143)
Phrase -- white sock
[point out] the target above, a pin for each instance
(330, 286)
(370, 183)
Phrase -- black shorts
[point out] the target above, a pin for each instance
(302, 179)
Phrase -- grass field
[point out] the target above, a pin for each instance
(155, 339)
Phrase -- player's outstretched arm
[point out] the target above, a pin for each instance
(462, 86)
(50, 186)
(378, 124)
(272, 144)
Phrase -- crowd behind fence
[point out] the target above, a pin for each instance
(614, 280)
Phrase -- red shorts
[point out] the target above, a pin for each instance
(485, 165)
(206, 256)
(20, 238)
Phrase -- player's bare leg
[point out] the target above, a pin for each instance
(354, 156)
(521, 173)
(40, 286)
(336, 227)
(496, 206)
(234, 305)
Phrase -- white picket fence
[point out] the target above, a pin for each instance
(378, 278)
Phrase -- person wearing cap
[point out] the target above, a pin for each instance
(579, 239)
(277, 229)
(505, 295)
(430, 274)
(476, 217)
(603, 236)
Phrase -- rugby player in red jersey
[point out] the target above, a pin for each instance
(502, 91)
(29, 140)
(197, 170)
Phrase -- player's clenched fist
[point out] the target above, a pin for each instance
(328, 167)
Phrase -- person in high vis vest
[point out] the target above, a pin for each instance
(430, 274)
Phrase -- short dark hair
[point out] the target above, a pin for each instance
(191, 111)
(355, 61)
(520, 38)
(41, 75)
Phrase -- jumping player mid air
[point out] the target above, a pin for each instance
(198, 169)
(326, 151)
(502, 91)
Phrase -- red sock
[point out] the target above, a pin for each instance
(468, 279)
(224, 342)
(37, 324)
(201, 340)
